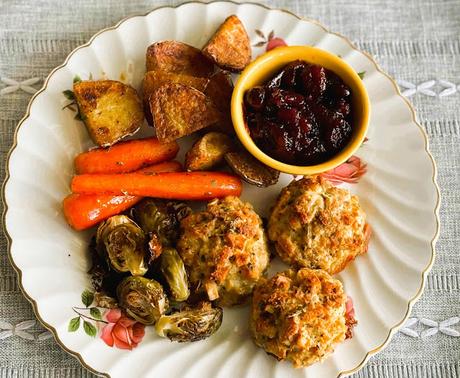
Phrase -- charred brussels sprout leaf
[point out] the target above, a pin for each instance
(102, 299)
(161, 218)
(173, 270)
(190, 324)
(122, 241)
(143, 299)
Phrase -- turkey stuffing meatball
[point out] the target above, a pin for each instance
(224, 249)
(317, 225)
(299, 316)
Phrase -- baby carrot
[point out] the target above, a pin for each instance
(126, 156)
(86, 210)
(178, 185)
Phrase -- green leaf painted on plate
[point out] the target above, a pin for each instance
(69, 95)
(362, 74)
(95, 313)
(74, 324)
(87, 298)
(89, 328)
(260, 33)
(260, 44)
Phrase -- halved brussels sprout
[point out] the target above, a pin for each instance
(102, 299)
(173, 270)
(143, 299)
(161, 218)
(104, 280)
(122, 242)
(190, 324)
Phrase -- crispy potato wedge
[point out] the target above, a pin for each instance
(179, 110)
(250, 169)
(220, 89)
(156, 78)
(208, 151)
(110, 110)
(230, 47)
(178, 57)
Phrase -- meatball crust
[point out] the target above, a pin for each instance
(299, 316)
(224, 249)
(317, 225)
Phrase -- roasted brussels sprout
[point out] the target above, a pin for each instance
(122, 242)
(161, 218)
(173, 270)
(102, 299)
(104, 280)
(190, 324)
(143, 299)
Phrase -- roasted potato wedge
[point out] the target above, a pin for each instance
(156, 78)
(110, 110)
(208, 151)
(250, 169)
(178, 57)
(179, 110)
(230, 47)
(220, 89)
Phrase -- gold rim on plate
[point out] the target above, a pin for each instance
(411, 302)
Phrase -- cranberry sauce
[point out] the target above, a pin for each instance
(302, 116)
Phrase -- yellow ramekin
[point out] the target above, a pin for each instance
(265, 67)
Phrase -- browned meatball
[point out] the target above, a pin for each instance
(224, 250)
(316, 225)
(299, 316)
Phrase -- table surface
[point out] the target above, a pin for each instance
(416, 41)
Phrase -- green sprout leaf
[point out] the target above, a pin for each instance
(361, 74)
(87, 298)
(89, 328)
(95, 313)
(74, 324)
(69, 95)
(76, 79)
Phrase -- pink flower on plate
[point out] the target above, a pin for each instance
(350, 320)
(121, 331)
(350, 171)
(274, 43)
(270, 41)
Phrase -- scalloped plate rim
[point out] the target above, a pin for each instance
(18, 271)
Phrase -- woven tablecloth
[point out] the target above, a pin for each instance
(416, 41)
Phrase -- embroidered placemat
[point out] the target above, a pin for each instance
(417, 42)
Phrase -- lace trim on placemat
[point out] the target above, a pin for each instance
(432, 88)
(431, 328)
(13, 85)
(23, 330)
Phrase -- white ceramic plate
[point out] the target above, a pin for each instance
(398, 192)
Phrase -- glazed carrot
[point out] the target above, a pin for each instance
(86, 210)
(166, 166)
(178, 185)
(126, 156)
